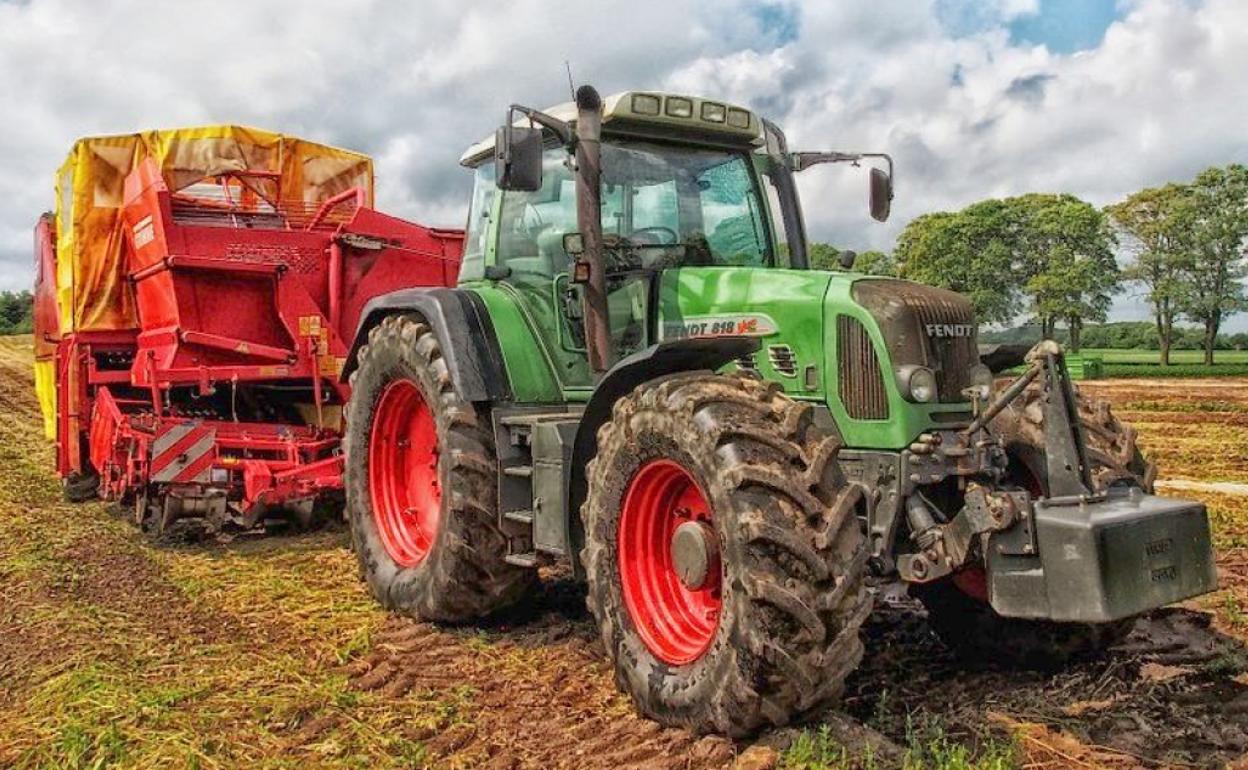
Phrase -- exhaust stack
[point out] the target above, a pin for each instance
(598, 345)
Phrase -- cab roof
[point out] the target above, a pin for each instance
(653, 113)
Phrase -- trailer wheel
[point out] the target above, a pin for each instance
(724, 554)
(421, 483)
(81, 487)
(958, 608)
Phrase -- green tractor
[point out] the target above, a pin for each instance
(640, 377)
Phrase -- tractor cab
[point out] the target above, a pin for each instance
(696, 197)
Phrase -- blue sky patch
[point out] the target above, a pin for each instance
(780, 22)
(1066, 26)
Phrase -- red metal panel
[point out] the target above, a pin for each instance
(230, 291)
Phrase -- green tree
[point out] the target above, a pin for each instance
(972, 251)
(1066, 250)
(1157, 223)
(1052, 254)
(1219, 206)
(16, 312)
(825, 256)
(875, 263)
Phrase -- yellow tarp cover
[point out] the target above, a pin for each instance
(92, 291)
(45, 389)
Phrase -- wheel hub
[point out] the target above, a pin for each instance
(695, 553)
(403, 473)
(669, 565)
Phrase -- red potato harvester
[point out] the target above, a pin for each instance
(196, 293)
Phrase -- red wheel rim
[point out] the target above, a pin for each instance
(676, 623)
(403, 473)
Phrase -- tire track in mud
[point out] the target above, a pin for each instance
(1172, 694)
(542, 696)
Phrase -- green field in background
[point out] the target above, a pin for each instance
(1113, 356)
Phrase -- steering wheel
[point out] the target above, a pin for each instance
(663, 236)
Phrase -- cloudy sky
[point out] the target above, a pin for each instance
(973, 98)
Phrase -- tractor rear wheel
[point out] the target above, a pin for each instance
(421, 483)
(724, 554)
(958, 608)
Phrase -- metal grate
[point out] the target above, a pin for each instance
(861, 381)
(782, 360)
(300, 259)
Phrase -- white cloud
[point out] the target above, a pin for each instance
(937, 83)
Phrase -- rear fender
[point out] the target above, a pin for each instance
(464, 330)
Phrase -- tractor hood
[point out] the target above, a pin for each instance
(837, 338)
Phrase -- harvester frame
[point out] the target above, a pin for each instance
(231, 278)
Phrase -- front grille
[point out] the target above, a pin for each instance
(860, 377)
(925, 326)
(951, 357)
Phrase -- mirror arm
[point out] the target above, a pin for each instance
(800, 161)
(561, 129)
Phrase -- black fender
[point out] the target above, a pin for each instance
(464, 330)
(999, 358)
(697, 354)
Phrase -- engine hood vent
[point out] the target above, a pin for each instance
(925, 326)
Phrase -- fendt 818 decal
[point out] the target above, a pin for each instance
(736, 325)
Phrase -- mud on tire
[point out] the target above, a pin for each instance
(1113, 452)
(463, 575)
(966, 624)
(791, 549)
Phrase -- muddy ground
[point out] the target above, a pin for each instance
(268, 652)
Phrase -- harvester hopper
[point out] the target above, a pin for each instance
(203, 283)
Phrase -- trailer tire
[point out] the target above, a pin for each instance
(957, 608)
(81, 487)
(785, 534)
(461, 575)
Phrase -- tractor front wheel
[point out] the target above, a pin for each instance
(421, 484)
(724, 554)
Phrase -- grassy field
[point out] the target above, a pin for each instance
(1183, 363)
(1114, 356)
(268, 653)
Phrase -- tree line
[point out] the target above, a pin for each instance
(1052, 258)
(17, 310)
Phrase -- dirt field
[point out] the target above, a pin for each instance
(268, 652)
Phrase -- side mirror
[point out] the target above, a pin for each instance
(881, 194)
(518, 158)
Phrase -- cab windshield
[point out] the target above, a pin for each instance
(662, 206)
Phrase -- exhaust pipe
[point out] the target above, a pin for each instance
(598, 346)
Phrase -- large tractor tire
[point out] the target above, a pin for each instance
(958, 609)
(724, 554)
(421, 484)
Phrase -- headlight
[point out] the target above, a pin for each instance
(918, 384)
(981, 381)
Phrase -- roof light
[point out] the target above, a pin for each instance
(738, 118)
(713, 112)
(645, 104)
(678, 107)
